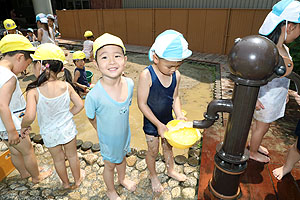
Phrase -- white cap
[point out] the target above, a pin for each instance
(44, 20)
(288, 10)
(39, 16)
(170, 45)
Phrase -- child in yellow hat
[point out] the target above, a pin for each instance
(107, 107)
(51, 98)
(88, 45)
(16, 50)
(11, 27)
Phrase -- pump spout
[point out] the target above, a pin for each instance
(296, 78)
(222, 105)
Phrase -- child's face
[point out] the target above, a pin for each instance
(79, 63)
(293, 32)
(13, 31)
(111, 61)
(166, 67)
(29, 33)
(21, 63)
(50, 22)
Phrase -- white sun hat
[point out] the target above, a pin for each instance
(170, 45)
(44, 20)
(288, 10)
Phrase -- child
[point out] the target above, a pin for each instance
(30, 35)
(51, 24)
(80, 79)
(50, 98)
(158, 95)
(294, 154)
(16, 50)
(106, 105)
(282, 27)
(11, 27)
(45, 33)
(88, 45)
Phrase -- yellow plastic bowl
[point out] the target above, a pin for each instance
(182, 138)
(183, 113)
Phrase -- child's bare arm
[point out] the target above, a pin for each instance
(142, 96)
(78, 104)
(76, 77)
(40, 34)
(6, 92)
(177, 105)
(93, 122)
(30, 113)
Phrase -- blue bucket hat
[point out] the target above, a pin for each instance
(170, 45)
(39, 16)
(288, 10)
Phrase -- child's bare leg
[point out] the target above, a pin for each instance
(292, 158)
(72, 156)
(255, 141)
(153, 144)
(108, 175)
(29, 162)
(128, 184)
(168, 154)
(261, 149)
(58, 156)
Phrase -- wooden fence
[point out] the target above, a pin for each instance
(206, 30)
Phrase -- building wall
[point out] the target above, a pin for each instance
(254, 4)
(105, 4)
(207, 30)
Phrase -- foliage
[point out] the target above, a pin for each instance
(295, 53)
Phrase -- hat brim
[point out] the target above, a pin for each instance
(270, 24)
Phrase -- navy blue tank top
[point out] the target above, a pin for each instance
(160, 101)
(82, 78)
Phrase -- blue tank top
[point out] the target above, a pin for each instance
(160, 101)
(82, 78)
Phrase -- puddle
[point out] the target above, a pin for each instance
(195, 92)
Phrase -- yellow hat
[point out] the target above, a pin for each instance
(88, 34)
(9, 24)
(49, 51)
(78, 55)
(107, 39)
(14, 42)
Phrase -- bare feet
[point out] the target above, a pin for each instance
(43, 175)
(156, 185)
(129, 184)
(259, 157)
(263, 150)
(281, 172)
(82, 176)
(66, 186)
(177, 176)
(113, 195)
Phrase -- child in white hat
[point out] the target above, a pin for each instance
(158, 95)
(282, 27)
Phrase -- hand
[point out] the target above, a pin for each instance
(287, 98)
(259, 105)
(297, 98)
(161, 130)
(25, 131)
(181, 118)
(13, 138)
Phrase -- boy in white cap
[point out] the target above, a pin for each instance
(282, 27)
(158, 95)
(107, 107)
(88, 45)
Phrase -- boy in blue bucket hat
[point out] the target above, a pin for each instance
(158, 95)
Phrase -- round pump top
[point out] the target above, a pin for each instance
(253, 58)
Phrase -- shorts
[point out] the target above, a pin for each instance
(297, 132)
(4, 135)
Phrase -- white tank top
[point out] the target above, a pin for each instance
(46, 38)
(17, 103)
(55, 119)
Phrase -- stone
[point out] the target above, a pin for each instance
(79, 143)
(38, 139)
(176, 192)
(92, 176)
(74, 195)
(142, 154)
(180, 159)
(133, 151)
(189, 182)
(144, 174)
(131, 160)
(95, 167)
(196, 174)
(82, 164)
(188, 170)
(22, 188)
(39, 149)
(90, 158)
(86, 145)
(100, 171)
(141, 165)
(166, 195)
(188, 193)
(3, 146)
(96, 147)
(194, 153)
(160, 167)
(100, 161)
(34, 192)
(31, 136)
(193, 161)
(163, 178)
(13, 186)
(173, 183)
(46, 193)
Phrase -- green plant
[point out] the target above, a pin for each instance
(295, 53)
